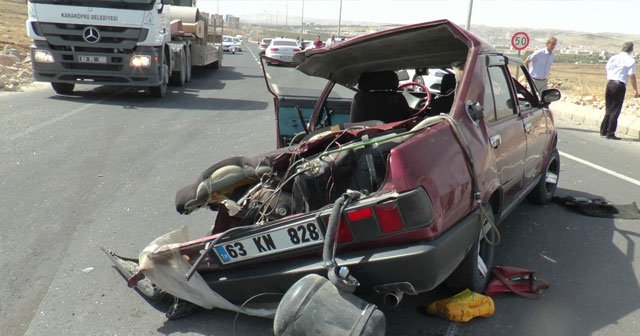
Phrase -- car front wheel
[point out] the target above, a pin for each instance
(474, 270)
(546, 188)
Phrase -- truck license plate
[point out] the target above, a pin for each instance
(92, 59)
(281, 239)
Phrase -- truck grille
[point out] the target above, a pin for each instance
(69, 36)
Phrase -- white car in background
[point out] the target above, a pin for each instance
(228, 44)
(431, 78)
(238, 43)
(282, 49)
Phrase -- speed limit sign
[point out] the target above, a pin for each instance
(520, 40)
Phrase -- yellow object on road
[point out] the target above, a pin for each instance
(463, 306)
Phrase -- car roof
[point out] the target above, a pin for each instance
(442, 43)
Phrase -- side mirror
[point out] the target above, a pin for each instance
(550, 95)
(475, 110)
(403, 75)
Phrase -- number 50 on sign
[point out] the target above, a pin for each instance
(520, 40)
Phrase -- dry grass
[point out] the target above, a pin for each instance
(13, 14)
(580, 79)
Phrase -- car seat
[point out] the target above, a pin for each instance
(379, 99)
(444, 101)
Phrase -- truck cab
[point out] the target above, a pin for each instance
(124, 42)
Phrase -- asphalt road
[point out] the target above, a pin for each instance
(101, 167)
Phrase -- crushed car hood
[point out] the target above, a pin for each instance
(435, 43)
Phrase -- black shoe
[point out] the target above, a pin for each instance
(613, 137)
(603, 134)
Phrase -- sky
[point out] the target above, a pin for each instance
(595, 16)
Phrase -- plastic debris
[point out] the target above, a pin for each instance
(463, 306)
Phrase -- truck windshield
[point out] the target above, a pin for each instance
(119, 4)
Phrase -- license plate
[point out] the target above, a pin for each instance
(92, 59)
(285, 238)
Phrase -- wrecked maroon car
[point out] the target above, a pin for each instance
(407, 184)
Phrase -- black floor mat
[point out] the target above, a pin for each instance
(599, 207)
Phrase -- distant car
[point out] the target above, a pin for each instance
(282, 49)
(228, 44)
(238, 43)
(262, 46)
(430, 78)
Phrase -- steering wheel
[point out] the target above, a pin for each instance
(424, 101)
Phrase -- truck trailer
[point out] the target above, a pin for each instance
(141, 43)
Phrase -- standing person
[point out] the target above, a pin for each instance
(317, 43)
(331, 40)
(539, 64)
(621, 69)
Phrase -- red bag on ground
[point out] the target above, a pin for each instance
(515, 280)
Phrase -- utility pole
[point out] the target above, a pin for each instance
(302, 19)
(469, 15)
(339, 17)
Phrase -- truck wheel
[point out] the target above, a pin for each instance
(63, 88)
(546, 188)
(474, 270)
(217, 64)
(161, 90)
(187, 77)
(179, 76)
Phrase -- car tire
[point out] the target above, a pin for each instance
(469, 273)
(546, 188)
(161, 90)
(63, 88)
(419, 80)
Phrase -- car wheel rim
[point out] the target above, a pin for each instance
(551, 177)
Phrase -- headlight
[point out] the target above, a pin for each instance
(140, 61)
(43, 56)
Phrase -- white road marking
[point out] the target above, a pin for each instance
(602, 169)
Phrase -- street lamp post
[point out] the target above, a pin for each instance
(469, 15)
(339, 17)
(302, 19)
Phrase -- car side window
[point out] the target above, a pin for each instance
(502, 96)
(523, 84)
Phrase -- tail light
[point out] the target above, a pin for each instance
(296, 49)
(344, 234)
(274, 49)
(389, 218)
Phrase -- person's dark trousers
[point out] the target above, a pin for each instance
(614, 96)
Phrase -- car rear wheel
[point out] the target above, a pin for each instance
(475, 269)
(546, 188)
(63, 88)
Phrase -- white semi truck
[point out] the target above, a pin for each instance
(142, 43)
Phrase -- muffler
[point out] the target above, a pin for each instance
(392, 299)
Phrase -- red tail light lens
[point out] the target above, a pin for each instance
(359, 214)
(389, 217)
(296, 49)
(274, 49)
(344, 235)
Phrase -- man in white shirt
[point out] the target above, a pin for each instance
(539, 64)
(331, 40)
(621, 69)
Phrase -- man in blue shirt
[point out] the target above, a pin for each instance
(539, 64)
(621, 70)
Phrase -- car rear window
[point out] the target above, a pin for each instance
(285, 43)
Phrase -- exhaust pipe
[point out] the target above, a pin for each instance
(393, 299)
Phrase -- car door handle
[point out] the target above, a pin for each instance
(495, 140)
(527, 127)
